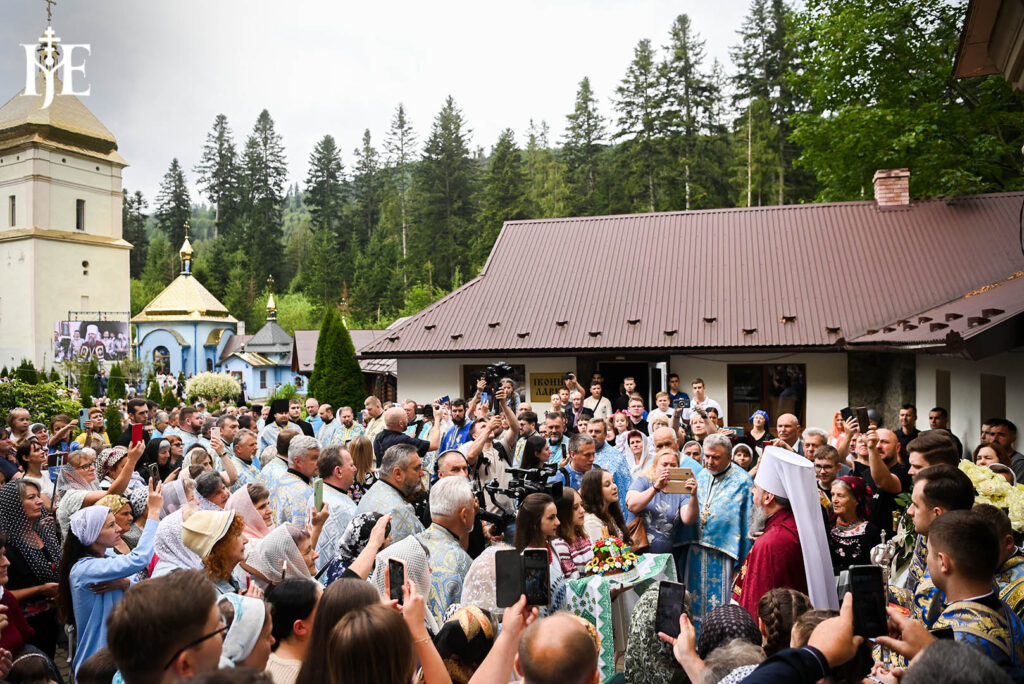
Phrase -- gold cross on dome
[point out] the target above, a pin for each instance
(270, 282)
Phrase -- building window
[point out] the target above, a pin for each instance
(80, 214)
(161, 360)
(209, 365)
(14, 211)
(776, 388)
(263, 379)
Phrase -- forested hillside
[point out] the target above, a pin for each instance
(812, 104)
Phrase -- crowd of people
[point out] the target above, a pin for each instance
(224, 542)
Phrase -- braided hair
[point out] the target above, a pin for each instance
(778, 610)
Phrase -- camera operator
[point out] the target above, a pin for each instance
(487, 456)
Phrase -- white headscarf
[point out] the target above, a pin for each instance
(417, 570)
(245, 629)
(275, 551)
(87, 523)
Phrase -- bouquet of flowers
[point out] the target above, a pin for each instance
(992, 488)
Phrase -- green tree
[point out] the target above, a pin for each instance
(133, 221)
(366, 188)
(264, 171)
(504, 194)
(444, 191)
(168, 401)
(218, 174)
(27, 373)
(337, 378)
(546, 192)
(153, 389)
(324, 272)
(880, 95)
(581, 147)
(114, 426)
(400, 146)
(115, 383)
(640, 102)
(86, 382)
(173, 205)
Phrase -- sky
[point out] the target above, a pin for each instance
(161, 70)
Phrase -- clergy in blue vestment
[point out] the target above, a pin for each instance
(963, 556)
(452, 512)
(279, 413)
(1010, 574)
(401, 478)
(724, 493)
(338, 472)
(290, 498)
(458, 434)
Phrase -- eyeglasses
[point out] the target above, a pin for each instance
(824, 467)
(84, 466)
(192, 644)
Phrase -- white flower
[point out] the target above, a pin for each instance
(212, 386)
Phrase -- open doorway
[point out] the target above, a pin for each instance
(615, 372)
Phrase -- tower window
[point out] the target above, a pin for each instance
(14, 210)
(80, 214)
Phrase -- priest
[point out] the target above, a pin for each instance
(793, 549)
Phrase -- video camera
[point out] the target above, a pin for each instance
(525, 481)
(493, 374)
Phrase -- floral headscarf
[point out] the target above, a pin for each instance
(115, 502)
(106, 461)
(861, 493)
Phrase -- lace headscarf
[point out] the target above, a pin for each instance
(417, 570)
(18, 528)
(241, 503)
(69, 504)
(70, 478)
(722, 625)
(480, 585)
(169, 547)
(175, 496)
(648, 658)
(278, 549)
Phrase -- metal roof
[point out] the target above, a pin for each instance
(305, 352)
(809, 276)
(185, 299)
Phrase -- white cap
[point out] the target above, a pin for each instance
(787, 474)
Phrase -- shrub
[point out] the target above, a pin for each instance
(115, 383)
(43, 401)
(115, 427)
(212, 387)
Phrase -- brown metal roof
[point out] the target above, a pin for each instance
(766, 277)
(305, 352)
(954, 322)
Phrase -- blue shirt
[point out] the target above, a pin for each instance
(575, 477)
(91, 609)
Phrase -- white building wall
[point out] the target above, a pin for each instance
(965, 391)
(826, 380)
(424, 380)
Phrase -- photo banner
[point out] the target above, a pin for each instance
(88, 340)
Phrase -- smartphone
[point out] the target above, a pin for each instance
(869, 599)
(943, 633)
(318, 495)
(484, 396)
(536, 577)
(154, 473)
(444, 400)
(739, 432)
(508, 577)
(215, 433)
(676, 478)
(396, 579)
(83, 417)
(863, 422)
(136, 433)
(671, 596)
(846, 413)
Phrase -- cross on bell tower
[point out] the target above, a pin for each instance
(271, 304)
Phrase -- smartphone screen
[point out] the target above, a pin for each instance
(136, 433)
(154, 473)
(444, 400)
(508, 577)
(318, 495)
(846, 413)
(396, 579)
(869, 597)
(671, 596)
(536, 577)
(863, 422)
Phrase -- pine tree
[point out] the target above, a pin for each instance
(173, 205)
(133, 222)
(218, 172)
(504, 194)
(4, 373)
(546, 193)
(26, 373)
(263, 176)
(87, 384)
(688, 98)
(168, 401)
(444, 185)
(324, 189)
(55, 375)
(115, 383)
(152, 389)
(323, 270)
(366, 188)
(400, 146)
(584, 131)
(639, 101)
(114, 425)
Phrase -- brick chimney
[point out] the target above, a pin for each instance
(892, 187)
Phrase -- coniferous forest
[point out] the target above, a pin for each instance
(813, 102)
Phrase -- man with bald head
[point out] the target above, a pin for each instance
(395, 422)
(557, 650)
(788, 428)
(666, 437)
(886, 476)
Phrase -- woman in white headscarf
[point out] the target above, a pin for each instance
(417, 570)
(248, 640)
(285, 552)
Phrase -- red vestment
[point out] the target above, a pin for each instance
(775, 561)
